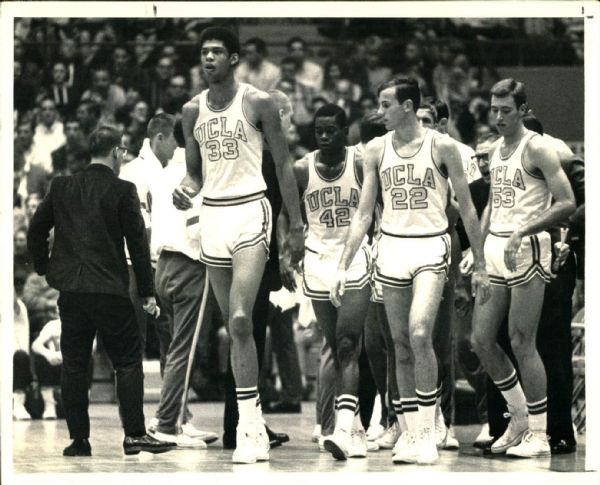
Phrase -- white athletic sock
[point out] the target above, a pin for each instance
(400, 415)
(357, 423)
(259, 414)
(537, 417)
(410, 408)
(346, 408)
(246, 401)
(426, 403)
(513, 392)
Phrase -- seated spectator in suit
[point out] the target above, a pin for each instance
(65, 97)
(41, 302)
(177, 96)
(75, 143)
(88, 114)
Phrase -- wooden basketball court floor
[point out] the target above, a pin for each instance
(37, 448)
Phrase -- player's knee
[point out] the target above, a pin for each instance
(522, 345)
(240, 326)
(481, 343)
(420, 338)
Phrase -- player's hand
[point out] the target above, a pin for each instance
(149, 305)
(562, 252)
(295, 244)
(466, 265)
(286, 271)
(339, 288)
(54, 358)
(511, 249)
(182, 197)
(480, 285)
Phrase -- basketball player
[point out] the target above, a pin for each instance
(223, 128)
(413, 165)
(330, 180)
(525, 171)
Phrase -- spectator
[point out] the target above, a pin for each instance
(88, 114)
(177, 95)
(367, 104)
(41, 302)
(308, 73)
(170, 51)
(255, 68)
(300, 96)
(64, 96)
(48, 361)
(344, 93)
(21, 363)
(138, 117)
(414, 66)
(75, 143)
(49, 134)
(293, 138)
(442, 72)
(24, 91)
(377, 73)
(22, 262)
(107, 95)
(123, 72)
(31, 164)
(155, 89)
(77, 74)
(334, 71)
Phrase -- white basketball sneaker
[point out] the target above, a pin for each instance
(338, 444)
(181, 440)
(406, 449)
(389, 438)
(246, 446)
(262, 442)
(451, 441)
(517, 427)
(316, 434)
(358, 443)
(428, 453)
(441, 431)
(207, 436)
(532, 445)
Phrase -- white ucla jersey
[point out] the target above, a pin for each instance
(330, 204)
(231, 148)
(414, 190)
(517, 195)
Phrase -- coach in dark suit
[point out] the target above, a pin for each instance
(92, 213)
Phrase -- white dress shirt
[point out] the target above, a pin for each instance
(48, 139)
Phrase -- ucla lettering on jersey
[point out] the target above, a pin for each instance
(414, 190)
(330, 204)
(231, 149)
(517, 195)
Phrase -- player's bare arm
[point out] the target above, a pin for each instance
(192, 182)
(286, 269)
(446, 151)
(362, 218)
(268, 115)
(540, 156)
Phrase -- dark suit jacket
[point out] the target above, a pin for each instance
(92, 212)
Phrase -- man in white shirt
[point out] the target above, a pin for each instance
(255, 69)
(179, 277)
(49, 133)
(309, 73)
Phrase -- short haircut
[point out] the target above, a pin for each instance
(441, 109)
(92, 107)
(161, 123)
(261, 45)
(510, 87)
(532, 123)
(293, 40)
(103, 139)
(289, 60)
(334, 110)
(371, 127)
(229, 39)
(281, 99)
(406, 88)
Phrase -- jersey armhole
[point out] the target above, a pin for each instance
(538, 174)
(443, 171)
(246, 117)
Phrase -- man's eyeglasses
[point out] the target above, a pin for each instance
(122, 148)
(480, 157)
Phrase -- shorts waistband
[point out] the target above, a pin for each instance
(414, 236)
(501, 234)
(234, 200)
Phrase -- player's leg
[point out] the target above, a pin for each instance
(428, 287)
(523, 319)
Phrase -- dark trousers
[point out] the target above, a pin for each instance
(112, 317)
(284, 348)
(555, 347)
(21, 370)
(47, 374)
(260, 316)
(179, 283)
